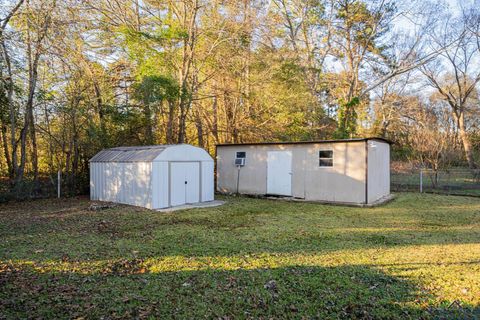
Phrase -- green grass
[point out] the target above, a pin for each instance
(417, 257)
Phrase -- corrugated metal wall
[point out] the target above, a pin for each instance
(122, 182)
(117, 175)
(207, 181)
(160, 185)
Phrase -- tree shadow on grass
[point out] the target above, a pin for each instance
(49, 231)
(125, 291)
(98, 237)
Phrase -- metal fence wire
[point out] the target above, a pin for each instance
(458, 181)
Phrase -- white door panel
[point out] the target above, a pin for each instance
(279, 173)
(177, 184)
(184, 183)
(192, 176)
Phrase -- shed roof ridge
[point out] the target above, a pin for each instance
(148, 147)
(147, 153)
(129, 154)
(306, 142)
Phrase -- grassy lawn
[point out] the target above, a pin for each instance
(417, 257)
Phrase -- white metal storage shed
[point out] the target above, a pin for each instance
(154, 177)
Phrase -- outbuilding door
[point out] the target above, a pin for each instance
(279, 173)
(184, 183)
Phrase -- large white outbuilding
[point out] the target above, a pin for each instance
(153, 177)
(355, 171)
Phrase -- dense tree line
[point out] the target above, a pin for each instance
(79, 76)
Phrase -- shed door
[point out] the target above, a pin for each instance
(279, 173)
(184, 183)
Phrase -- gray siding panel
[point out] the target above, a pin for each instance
(127, 183)
(344, 182)
(378, 170)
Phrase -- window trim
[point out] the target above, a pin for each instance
(237, 157)
(323, 158)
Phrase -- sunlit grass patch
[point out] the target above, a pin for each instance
(419, 256)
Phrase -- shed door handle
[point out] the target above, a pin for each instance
(185, 182)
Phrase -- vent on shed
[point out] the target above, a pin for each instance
(240, 162)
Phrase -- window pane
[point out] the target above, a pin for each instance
(326, 154)
(326, 162)
(241, 154)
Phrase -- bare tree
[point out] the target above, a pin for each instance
(8, 86)
(37, 17)
(393, 98)
(372, 52)
(455, 74)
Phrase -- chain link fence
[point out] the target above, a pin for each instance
(47, 186)
(455, 181)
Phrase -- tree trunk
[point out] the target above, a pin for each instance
(6, 151)
(9, 84)
(465, 141)
(189, 14)
(23, 157)
(215, 119)
(148, 126)
(11, 108)
(33, 56)
(170, 121)
(34, 151)
(182, 125)
(29, 129)
(101, 112)
(198, 124)
(76, 155)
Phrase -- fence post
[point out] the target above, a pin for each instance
(59, 177)
(421, 180)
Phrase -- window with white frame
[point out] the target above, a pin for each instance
(325, 158)
(241, 155)
(240, 158)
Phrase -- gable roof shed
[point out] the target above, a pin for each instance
(154, 177)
